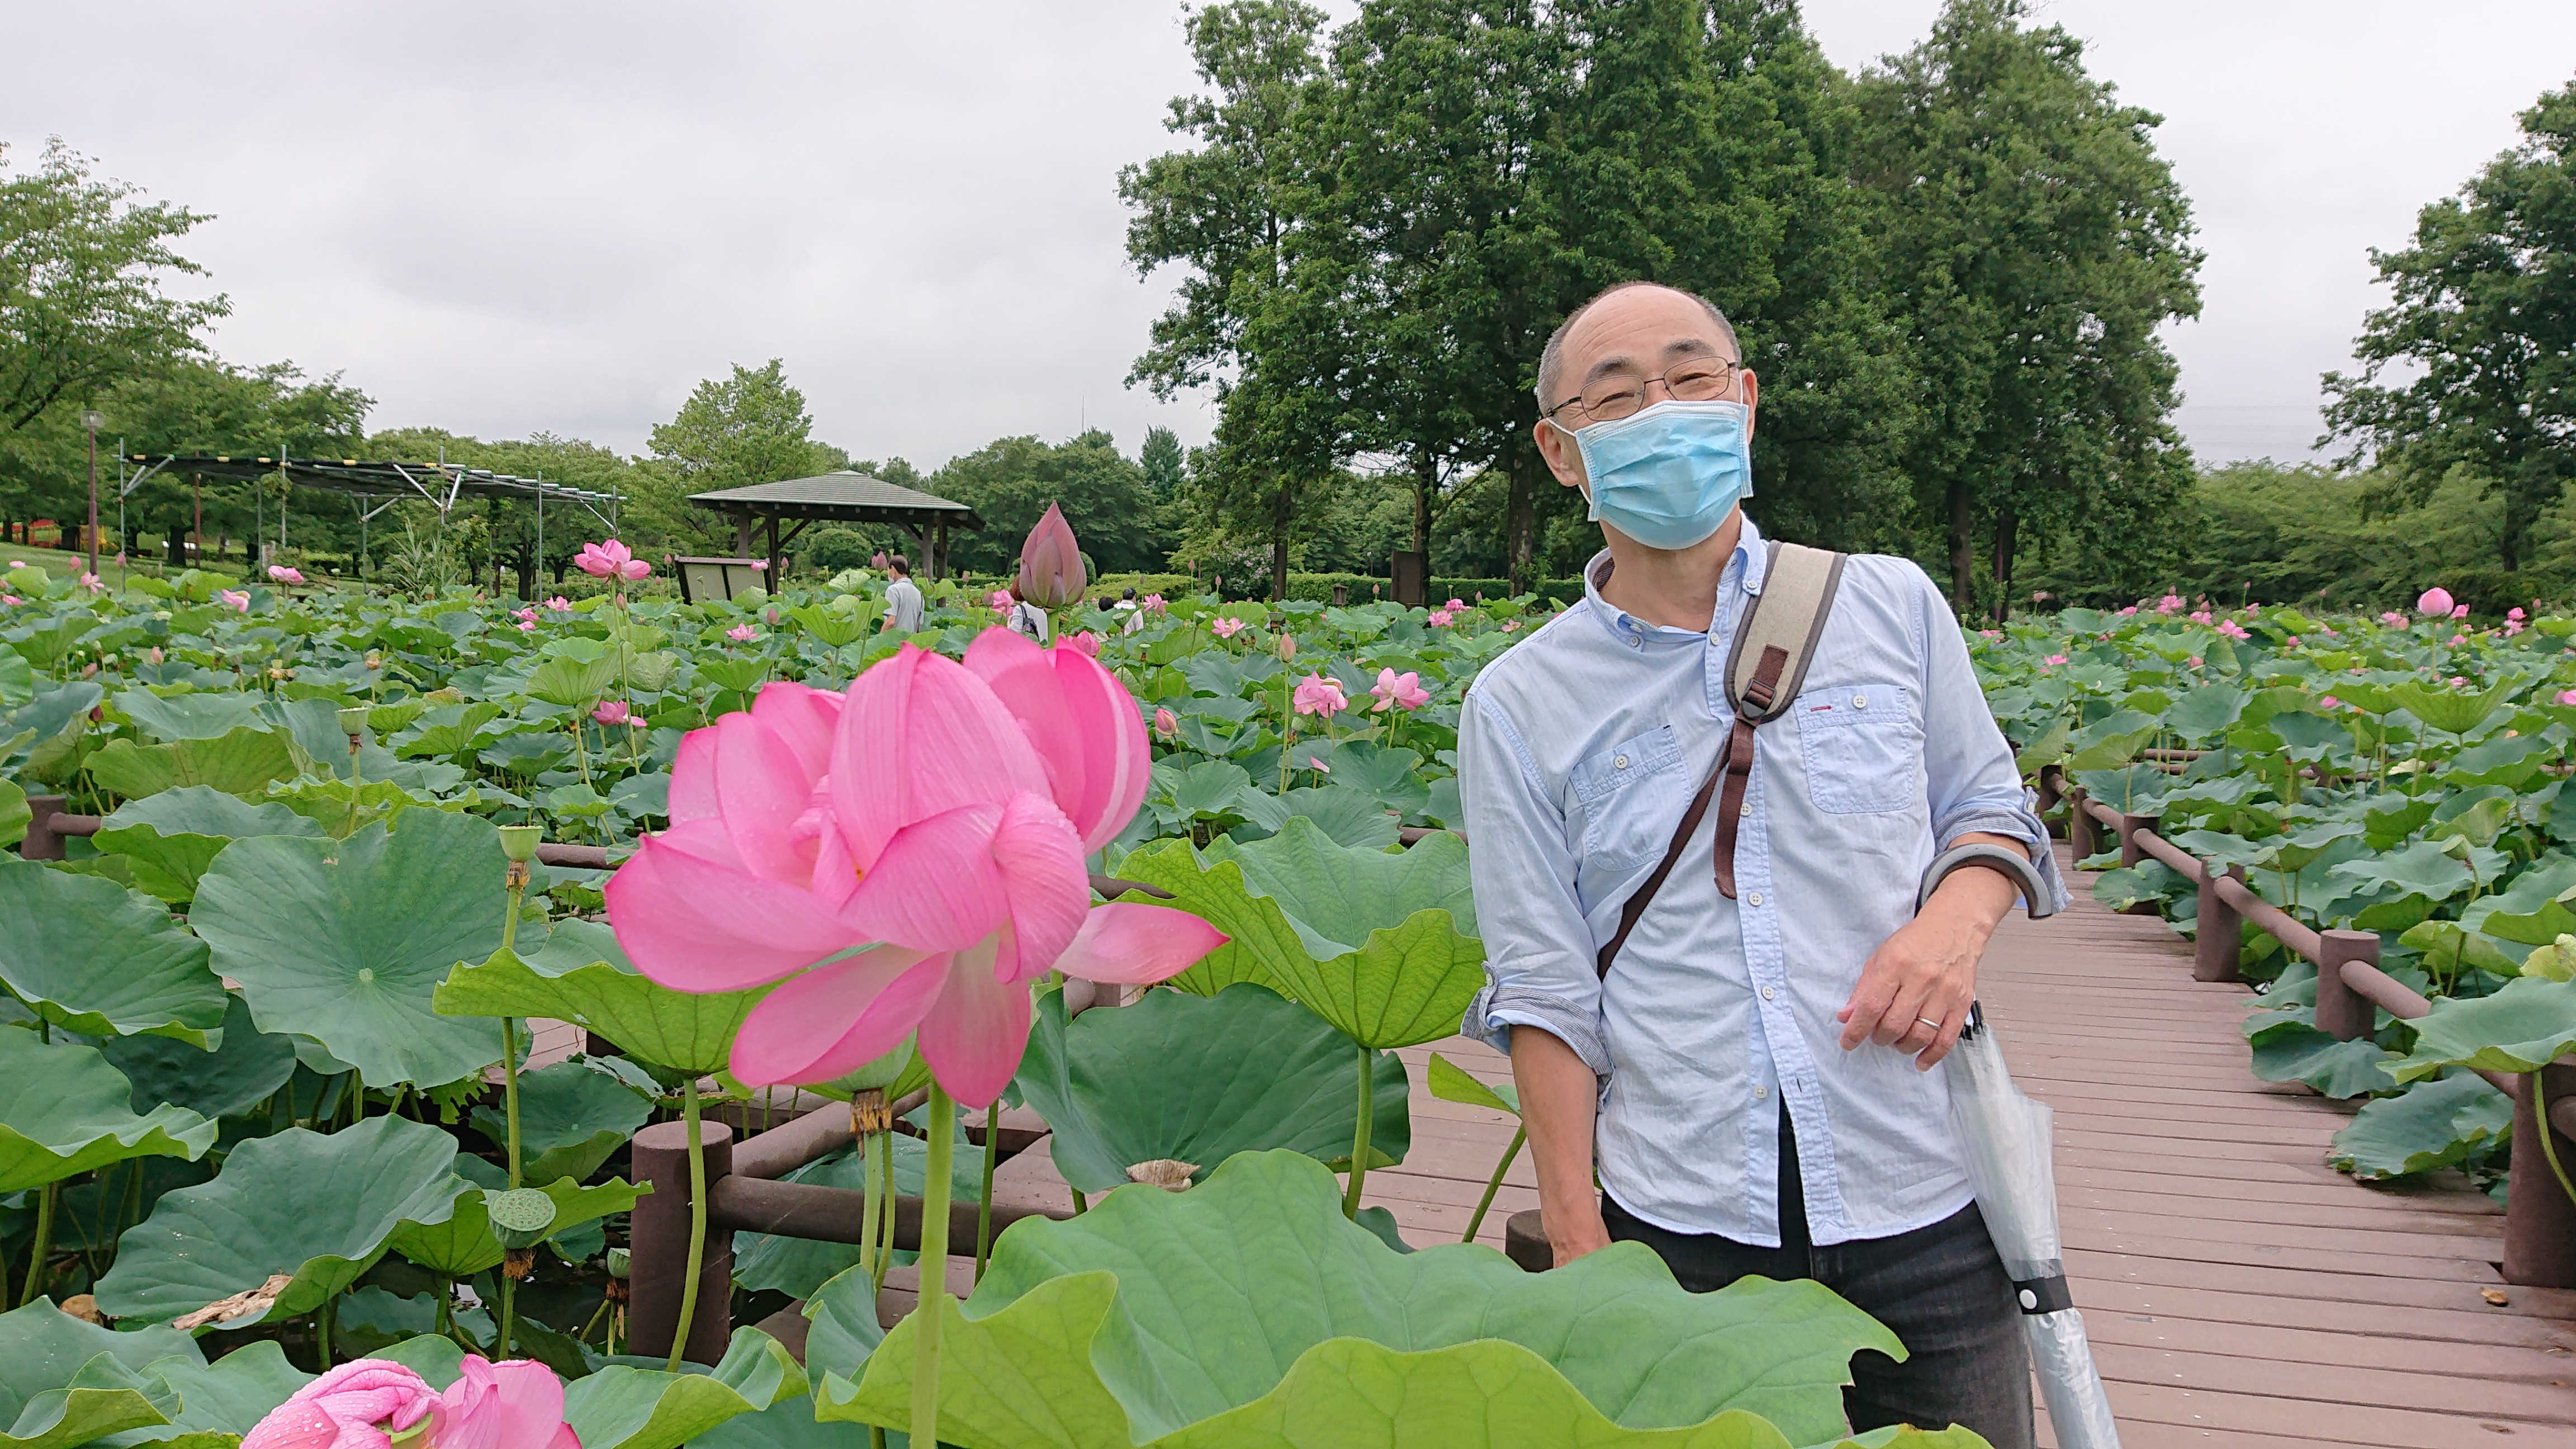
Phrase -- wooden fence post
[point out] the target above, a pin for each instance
(2132, 853)
(2539, 1220)
(2081, 835)
(2052, 793)
(658, 1241)
(41, 842)
(2218, 935)
(2343, 1013)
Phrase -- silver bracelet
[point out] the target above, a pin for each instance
(2034, 895)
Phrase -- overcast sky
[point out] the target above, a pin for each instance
(502, 218)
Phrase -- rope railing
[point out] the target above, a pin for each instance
(2540, 1221)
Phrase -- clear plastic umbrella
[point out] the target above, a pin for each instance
(2006, 1141)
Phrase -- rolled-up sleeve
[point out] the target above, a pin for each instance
(1968, 765)
(1538, 947)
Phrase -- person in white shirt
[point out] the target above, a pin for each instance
(1024, 617)
(904, 606)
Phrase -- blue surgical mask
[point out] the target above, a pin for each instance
(1670, 474)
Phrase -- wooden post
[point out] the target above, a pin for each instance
(2218, 937)
(2131, 853)
(2083, 838)
(41, 842)
(658, 1236)
(2539, 1220)
(1525, 1241)
(771, 583)
(742, 527)
(2343, 1013)
(2052, 793)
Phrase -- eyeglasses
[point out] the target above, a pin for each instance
(1701, 379)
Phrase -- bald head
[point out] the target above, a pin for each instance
(1622, 309)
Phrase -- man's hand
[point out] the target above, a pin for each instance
(1915, 989)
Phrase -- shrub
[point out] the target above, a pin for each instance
(827, 551)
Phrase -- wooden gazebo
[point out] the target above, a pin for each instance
(841, 497)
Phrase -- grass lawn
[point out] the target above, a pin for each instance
(64, 565)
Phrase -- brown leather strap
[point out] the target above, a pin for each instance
(1636, 905)
(1738, 769)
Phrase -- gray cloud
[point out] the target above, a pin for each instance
(502, 218)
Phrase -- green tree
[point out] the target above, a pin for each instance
(750, 427)
(1010, 482)
(82, 267)
(1165, 469)
(2484, 316)
(2033, 241)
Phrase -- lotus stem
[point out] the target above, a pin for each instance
(871, 1199)
(2549, 1135)
(984, 1207)
(1493, 1183)
(934, 1266)
(697, 1221)
(1081, 1204)
(1360, 1137)
(322, 1336)
(881, 1149)
(37, 1277)
(510, 1090)
(509, 1311)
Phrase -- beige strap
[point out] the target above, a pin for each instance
(1788, 615)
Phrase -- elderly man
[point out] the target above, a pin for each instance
(1754, 1073)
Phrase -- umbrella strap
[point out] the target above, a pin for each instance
(2042, 1295)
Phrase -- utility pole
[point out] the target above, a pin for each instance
(91, 420)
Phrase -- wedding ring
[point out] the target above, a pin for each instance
(1927, 1021)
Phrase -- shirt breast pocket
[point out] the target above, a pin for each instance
(1633, 793)
(1861, 747)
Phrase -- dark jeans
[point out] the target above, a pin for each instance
(1941, 1290)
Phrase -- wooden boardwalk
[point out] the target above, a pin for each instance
(2238, 1291)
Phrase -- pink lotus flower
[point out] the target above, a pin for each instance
(2170, 603)
(2434, 601)
(2457, 640)
(1166, 725)
(1511, 626)
(879, 561)
(90, 582)
(517, 1404)
(1320, 694)
(1287, 646)
(2056, 659)
(760, 565)
(284, 575)
(2232, 629)
(1440, 618)
(2194, 661)
(613, 712)
(2515, 612)
(1398, 691)
(2124, 613)
(12, 600)
(2393, 619)
(2567, 696)
(527, 626)
(1051, 574)
(742, 633)
(2513, 626)
(2200, 616)
(937, 814)
(1228, 627)
(1000, 599)
(152, 654)
(235, 600)
(524, 616)
(2331, 702)
(559, 604)
(1456, 606)
(2460, 611)
(1153, 604)
(610, 560)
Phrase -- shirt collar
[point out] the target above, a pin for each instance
(1744, 571)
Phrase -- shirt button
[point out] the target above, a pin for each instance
(1860, 701)
(1621, 762)
(1747, 811)
(1760, 1091)
(1766, 993)
(1635, 642)
(1754, 899)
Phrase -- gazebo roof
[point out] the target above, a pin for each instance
(844, 494)
(440, 484)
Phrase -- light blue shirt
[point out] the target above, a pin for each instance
(904, 602)
(1579, 750)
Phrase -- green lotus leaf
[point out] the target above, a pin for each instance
(572, 683)
(105, 1396)
(2446, 947)
(648, 1021)
(1215, 1315)
(241, 762)
(1451, 1082)
(171, 838)
(346, 940)
(2288, 1047)
(1176, 1077)
(2452, 711)
(624, 1407)
(235, 1077)
(1337, 895)
(2523, 1027)
(799, 1266)
(1343, 815)
(572, 1116)
(898, 1073)
(53, 729)
(1390, 777)
(14, 814)
(843, 1328)
(2528, 911)
(2509, 760)
(2423, 868)
(1404, 987)
(2111, 741)
(17, 681)
(2205, 712)
(447, 731)
(98, 959)
(464, 1244)
(227, 1397)
(2433, 1124)
(43, 1351)
(1257, 931)
(2223, 850)
(67, 1111)
(2555, 961)
(318, 1207)
(2392, 818)
(193, 716)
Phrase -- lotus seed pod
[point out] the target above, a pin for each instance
(353, 721)
(619, 1262)
(519, 842)
(520, 1217)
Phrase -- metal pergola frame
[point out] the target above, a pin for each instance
(439, 485)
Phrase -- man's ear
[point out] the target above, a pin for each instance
(1563, 458)
(1752, 396)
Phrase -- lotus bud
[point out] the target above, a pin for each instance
(1051, 574)
(1287, 647)
(519, 842)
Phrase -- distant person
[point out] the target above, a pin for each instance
(1127, 605)
(903, 598)
(1024, 617)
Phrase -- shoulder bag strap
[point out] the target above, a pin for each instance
(1778, 634)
